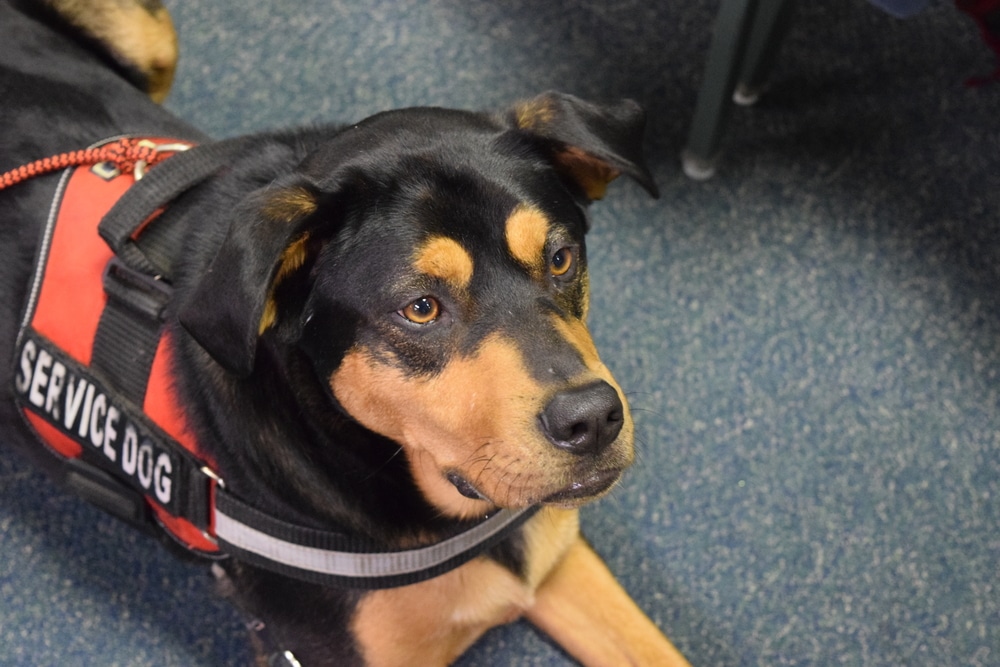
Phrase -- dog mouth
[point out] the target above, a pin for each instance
(464, 486)
(590, 487)
(576, 493)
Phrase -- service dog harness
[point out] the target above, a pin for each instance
(92, 376)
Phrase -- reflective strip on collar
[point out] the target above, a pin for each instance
(388, 565)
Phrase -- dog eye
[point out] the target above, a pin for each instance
(561, 262)
(422, 311)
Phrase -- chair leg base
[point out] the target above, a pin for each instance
(746, 95)
(696, 167)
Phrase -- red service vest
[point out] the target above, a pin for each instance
(74, 411)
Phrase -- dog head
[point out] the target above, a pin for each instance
(431, 265)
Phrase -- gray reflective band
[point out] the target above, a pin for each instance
(359, 565)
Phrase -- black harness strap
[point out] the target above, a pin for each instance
(137, 283)
(129, 329)
(137, 279)
(160, 186)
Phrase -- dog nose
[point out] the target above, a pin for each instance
(584, 420)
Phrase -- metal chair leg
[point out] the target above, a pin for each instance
(769, 29)
(732, 31)
(744, 45)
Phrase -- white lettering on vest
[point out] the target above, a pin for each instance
(97, 414)
(145, 464)
(65, 395)
(28, 354)
(130, 450)
(88, 401)
(39, 379)
(111, 433)
(74, 397)
(161, 478)
(56, 381)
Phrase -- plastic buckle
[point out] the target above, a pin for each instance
(147, 294)
(107, 492)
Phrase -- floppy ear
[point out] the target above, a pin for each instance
(593, 144)
(233, 304)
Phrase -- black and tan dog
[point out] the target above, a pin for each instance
(375, 331)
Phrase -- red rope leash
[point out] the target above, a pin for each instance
(128, 155)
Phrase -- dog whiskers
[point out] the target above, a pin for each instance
(384, 465)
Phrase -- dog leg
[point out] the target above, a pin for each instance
(433, 622)
(583, 607)
(139, 33)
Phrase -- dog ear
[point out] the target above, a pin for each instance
(269, 239)
(592, 144)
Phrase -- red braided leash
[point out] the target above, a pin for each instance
(128, 155)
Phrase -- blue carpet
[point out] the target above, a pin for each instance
(811, 340)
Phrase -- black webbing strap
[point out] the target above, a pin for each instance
(137, 279)
(136, 282)
(128, 332)
(161, 185)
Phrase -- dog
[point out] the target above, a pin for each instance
(346, 366)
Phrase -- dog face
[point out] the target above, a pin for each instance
(468, 345)
(432, 266)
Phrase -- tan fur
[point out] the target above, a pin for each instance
(293, 257)
(534, 114)
(443, 258)
(286, 206)
(290, 205)
(547, 537)
(454, 420)
(566, 591)
(433, 622)
(585, 281)
(576, 332)
(140, 33)
(527, 231)
(589, 614)
(486, 431)
(592, 174)
(578, 335)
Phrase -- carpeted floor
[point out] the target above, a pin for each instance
(811, 340)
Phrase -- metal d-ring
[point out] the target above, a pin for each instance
(141, 165)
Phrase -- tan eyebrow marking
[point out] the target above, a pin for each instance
(527, 232)
(444, 258)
